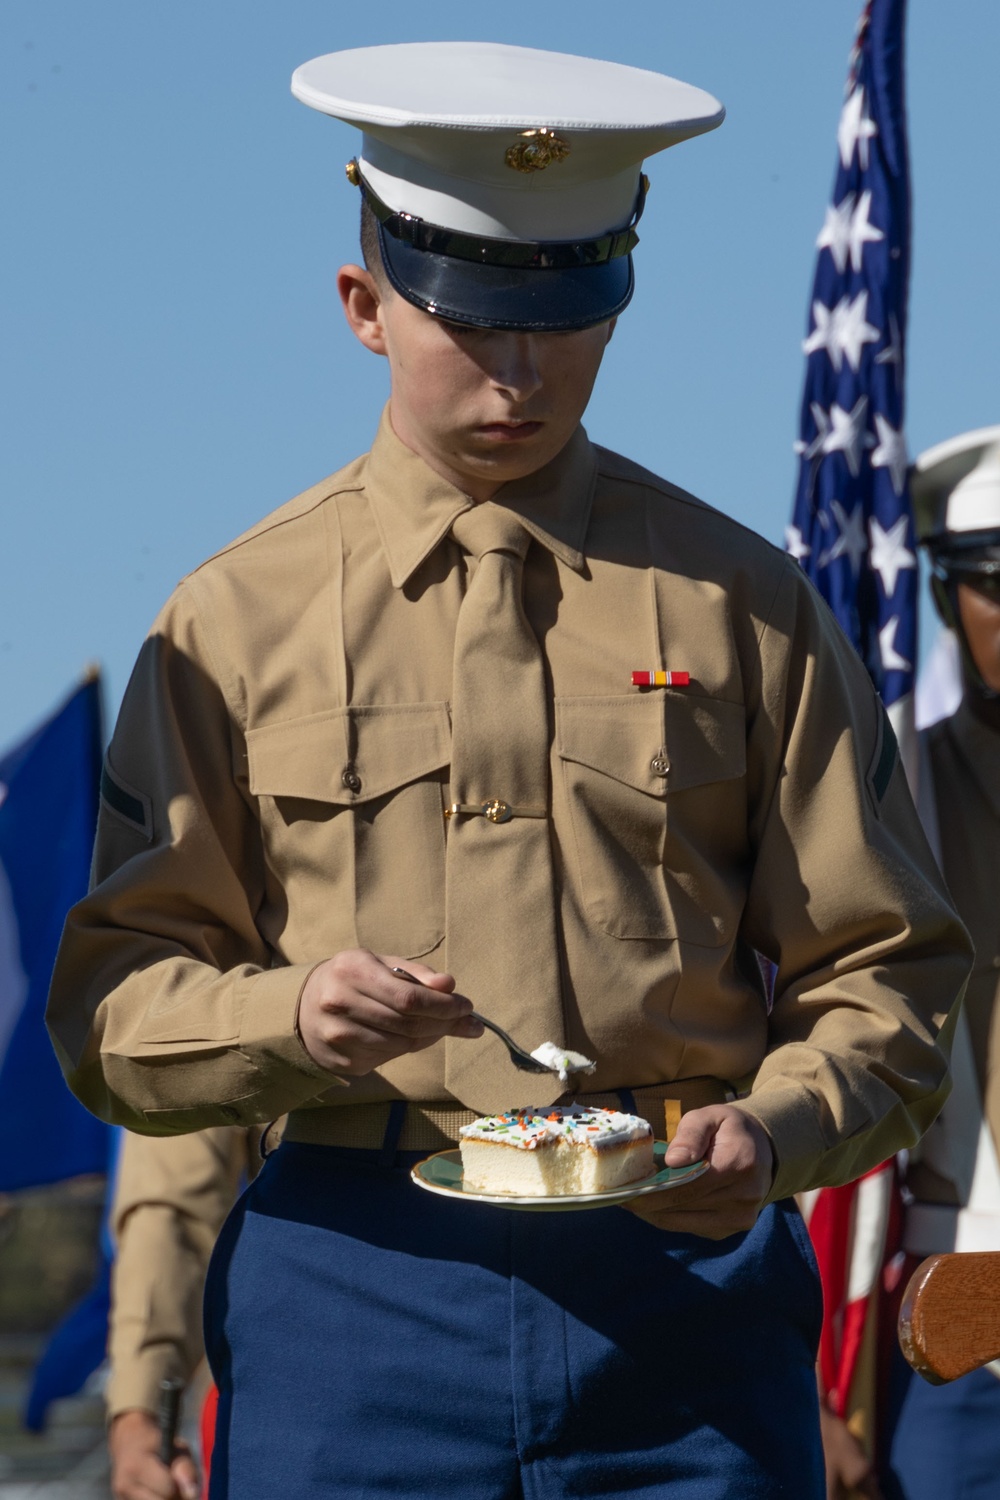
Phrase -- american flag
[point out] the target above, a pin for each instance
(852, 532)
(852, 525)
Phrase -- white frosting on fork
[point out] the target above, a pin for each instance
(527, 1129)
(560, 1060)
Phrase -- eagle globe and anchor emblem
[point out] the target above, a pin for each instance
(535, 150)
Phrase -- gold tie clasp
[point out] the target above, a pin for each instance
(494, 811)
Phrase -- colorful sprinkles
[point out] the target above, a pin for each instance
(530, 1128)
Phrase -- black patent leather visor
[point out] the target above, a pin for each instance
(545, 286)
(485, 296)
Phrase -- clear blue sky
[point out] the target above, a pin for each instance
(174, 364)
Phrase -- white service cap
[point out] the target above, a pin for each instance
(956, 488)
(506, 180)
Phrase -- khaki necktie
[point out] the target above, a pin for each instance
(500, 892)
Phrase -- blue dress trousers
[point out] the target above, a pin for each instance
(371, 1339)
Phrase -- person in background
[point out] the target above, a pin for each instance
(944, 1441)
(172, 1195)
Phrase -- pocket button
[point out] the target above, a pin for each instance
(351, 779)
(659, 765)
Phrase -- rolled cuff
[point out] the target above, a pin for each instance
(793, 1116)
(137, 1388)
(260, 1075)
(790, 1115)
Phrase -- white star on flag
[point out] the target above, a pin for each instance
(891, 452)
(824, 334)
(795, 546)
(853, 328)
(812, 451)
(819, 416)
(856, 129)
(842, 331)
(851, 541)
(835, 235)
(863, 232)
(890, 555)
(892, 354)
(847, 231)
(847, 433)
(891, 659)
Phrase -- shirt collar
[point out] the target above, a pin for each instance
(414, 508)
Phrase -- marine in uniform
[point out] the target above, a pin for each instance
(172, 1195)
(500, 708)
(945, 1440)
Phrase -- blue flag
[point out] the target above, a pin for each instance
(852, 525)
(78, 1344)
(49, 787)
(74, 1351)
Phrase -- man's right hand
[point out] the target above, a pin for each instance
(136, 1470)
(355, 1014)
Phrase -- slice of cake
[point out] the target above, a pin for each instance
(561, 1149)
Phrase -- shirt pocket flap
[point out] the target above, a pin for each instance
(620, 737)
(657, 743)
(705, 741)
(348, 756)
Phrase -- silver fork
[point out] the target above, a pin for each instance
(518, 1056)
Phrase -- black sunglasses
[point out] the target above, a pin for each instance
(982, 577)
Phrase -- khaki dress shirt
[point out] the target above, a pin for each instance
(171, 1197)
(274, 792)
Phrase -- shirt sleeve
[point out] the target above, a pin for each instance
(171, 1197)
(165, 1010)
(846, 899)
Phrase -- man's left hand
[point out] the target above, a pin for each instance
(728, 1197)
(137, 1472)
(849, 1471)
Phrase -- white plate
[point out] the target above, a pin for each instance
(442, 1173)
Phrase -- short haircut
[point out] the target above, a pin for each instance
(371, 253)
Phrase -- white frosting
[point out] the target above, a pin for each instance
(560, 1060)
(527, 1129)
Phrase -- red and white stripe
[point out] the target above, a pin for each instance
(855, 1230)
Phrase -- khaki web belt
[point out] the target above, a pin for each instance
(434, 1126)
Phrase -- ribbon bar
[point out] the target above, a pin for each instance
(661, 679)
